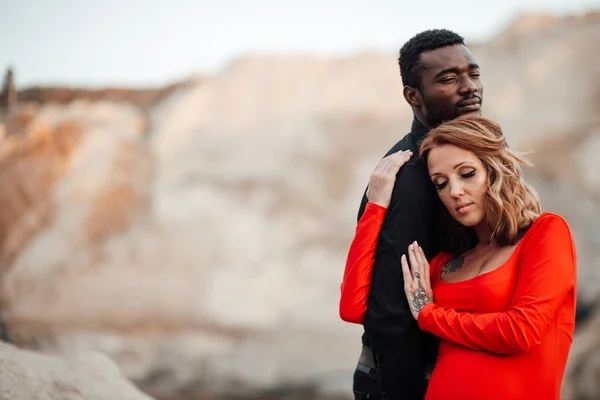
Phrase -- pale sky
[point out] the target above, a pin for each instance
(97, 43)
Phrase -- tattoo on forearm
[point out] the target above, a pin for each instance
(453, 265)
(420, 298)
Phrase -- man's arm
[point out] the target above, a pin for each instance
(394, 335)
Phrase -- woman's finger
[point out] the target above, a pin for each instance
(395, 161)
(420, 260)
(414, 265)
(399, 159)
(383, 164)
(389, 166)
(412, 258)
(426, 271)
(382, 180)
(406, 275)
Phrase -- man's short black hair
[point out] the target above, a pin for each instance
(409, 58)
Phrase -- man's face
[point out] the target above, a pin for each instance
(450, 84)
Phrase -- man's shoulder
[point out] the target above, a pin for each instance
(406, 143)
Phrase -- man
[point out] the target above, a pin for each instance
(441, 82)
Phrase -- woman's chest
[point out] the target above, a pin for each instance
(490, 292)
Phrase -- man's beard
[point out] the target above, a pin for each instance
(437, 113)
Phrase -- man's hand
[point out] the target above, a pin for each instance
(417, 284)
(381, 183)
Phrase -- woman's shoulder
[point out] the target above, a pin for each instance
(548, 228)
(549, 222)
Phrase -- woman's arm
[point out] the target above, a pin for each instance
(359, 263)
(547, 273)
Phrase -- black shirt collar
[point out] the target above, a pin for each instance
(418, 130)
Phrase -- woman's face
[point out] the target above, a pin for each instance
(461, 181)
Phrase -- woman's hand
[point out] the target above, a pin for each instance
(381, 183)
(417, 284)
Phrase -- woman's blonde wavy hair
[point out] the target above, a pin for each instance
(511, 205)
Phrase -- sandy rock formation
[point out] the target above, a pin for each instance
(27, 375)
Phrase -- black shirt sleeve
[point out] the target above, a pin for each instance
(394, 335)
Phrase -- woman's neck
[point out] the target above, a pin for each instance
(483, 234)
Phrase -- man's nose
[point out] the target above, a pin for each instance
(468, 86)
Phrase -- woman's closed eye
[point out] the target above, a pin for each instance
(440, 185)
(469, 174)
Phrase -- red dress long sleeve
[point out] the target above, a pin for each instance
(504, 334)
(359, 265)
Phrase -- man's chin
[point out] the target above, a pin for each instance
(474, 109)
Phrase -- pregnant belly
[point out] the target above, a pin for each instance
(463, 374)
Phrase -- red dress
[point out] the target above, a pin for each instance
(505, 334)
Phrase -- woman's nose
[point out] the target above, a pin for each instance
(456, 190)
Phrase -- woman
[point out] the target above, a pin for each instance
(504, 310)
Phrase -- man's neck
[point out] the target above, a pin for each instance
(423, 122)
(418, 129)
(421, 118)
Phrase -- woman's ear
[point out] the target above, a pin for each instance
(412, 96)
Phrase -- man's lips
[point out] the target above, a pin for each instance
(470, 104)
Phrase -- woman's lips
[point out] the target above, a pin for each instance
(463, 209)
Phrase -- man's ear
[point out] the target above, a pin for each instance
(413, 96)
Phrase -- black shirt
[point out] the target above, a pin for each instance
(401, 350)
